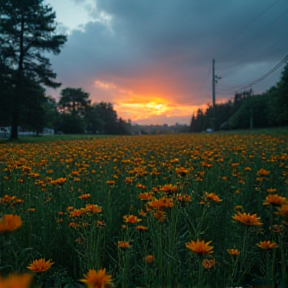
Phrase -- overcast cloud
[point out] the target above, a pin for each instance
(152, 59)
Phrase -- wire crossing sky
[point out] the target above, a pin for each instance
(153, 59)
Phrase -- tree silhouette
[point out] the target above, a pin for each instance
(27, 31)
(74, 101)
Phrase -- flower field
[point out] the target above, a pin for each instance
(206, 210)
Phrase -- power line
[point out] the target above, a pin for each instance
(264, 30)
(247, 24)
(203, 83)
(285, 59)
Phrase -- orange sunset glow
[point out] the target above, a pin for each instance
(144, 105)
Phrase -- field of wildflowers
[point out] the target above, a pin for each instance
(145, 211)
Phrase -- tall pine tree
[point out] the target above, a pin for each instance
(27, 31)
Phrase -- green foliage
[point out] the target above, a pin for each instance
(27, 31)
(147, 164)
(74, 101)
(282, 97)
(247, 110)
(71, 124)
(99, 118)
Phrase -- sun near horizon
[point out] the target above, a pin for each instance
(147, 105)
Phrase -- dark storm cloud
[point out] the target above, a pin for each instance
(177, 41)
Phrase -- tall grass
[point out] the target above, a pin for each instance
(170, 184)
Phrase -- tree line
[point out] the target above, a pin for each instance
(76, 114)
(28, 31)
(246, 110)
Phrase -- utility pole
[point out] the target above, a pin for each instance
(213, 85)
(215, 79)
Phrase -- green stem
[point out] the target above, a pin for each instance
(283, 266)
(200, 273)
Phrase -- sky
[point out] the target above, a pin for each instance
(152, 59)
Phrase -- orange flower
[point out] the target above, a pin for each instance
(141, 228)
(123, 244)
(59, 181)
(212, 197)
(182, 171)
(140, 186)
(200, 247)
(233, 252)
(100, 224)
(277, 228)
(263, 172)
(131, 219)
(162, 203)
(40, 265)
(149, 259)
(84, 196)
(97, 279)
(10, 223)
(142, 213)
(283, 211)
(145, 196)
(93, 208)
(7, 199)
(77, 213)
(169, 188)
(129, 180)
(73, 225)
(16, 281)
(160, 215)
(110, 182)
(247, 219)
(267, 245)
(208, 263)
(274, 199)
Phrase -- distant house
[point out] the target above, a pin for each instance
(5, 132)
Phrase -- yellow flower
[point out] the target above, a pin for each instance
(267, 245)
(40, 265)
(247, 219)
(233, 252)
(200, 247)
(10, 223)
(16, 281)
(97, 279)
